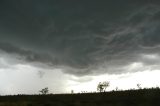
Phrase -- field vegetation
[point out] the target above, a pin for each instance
(141, 97)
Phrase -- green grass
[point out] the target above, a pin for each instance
(143, 97)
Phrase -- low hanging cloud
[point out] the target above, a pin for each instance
(82, 38)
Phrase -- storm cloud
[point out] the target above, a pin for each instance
(83, 37)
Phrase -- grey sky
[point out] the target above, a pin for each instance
(80, 37)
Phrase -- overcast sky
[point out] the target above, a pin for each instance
(74, 44)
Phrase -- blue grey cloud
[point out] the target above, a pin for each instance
(81, 36)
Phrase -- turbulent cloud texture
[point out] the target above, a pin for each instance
(83, 37)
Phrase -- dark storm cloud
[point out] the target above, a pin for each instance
(81, 36)
(25, 54)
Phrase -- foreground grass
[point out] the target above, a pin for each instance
(143, 97)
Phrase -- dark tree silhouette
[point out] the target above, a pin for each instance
(116, 88)
(44, 91)
(102, 86)
(139, 86)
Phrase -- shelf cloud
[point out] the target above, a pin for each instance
(82, 37)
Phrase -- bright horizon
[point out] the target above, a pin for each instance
(77, 84)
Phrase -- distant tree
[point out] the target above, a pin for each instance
(72, 91)
(102, 86)
(116, 88)
(139, 86)
(44, 91)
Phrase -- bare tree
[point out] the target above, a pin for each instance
(116, 88)
(44, 91)
(72, 91)
(139, 86)
(102, 86)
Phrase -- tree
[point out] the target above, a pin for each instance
(139, 86)
(44, 91)
(102, 86)
(72, 91)
(116, 88)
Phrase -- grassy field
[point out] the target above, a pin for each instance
(143, 97)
